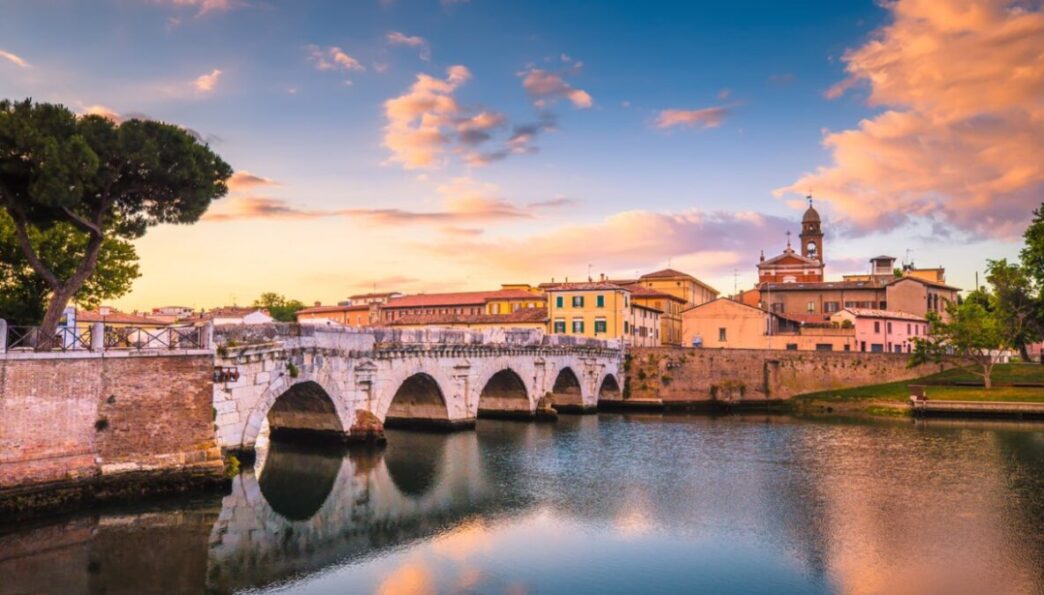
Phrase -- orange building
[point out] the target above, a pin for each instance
(348, 315)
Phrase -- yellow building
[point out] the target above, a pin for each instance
(593, 309)
(670, 308)
(679, 284)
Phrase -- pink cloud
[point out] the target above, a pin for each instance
(207, 82)
(416, 132)
(333, 58)
(243, 180)
(14, 59)
(961, 140)
(545, 87)
(708, 117)
(414, 41)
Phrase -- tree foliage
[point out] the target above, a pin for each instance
(24, 293)
(102, 178)
(1016, 303)
(281, 308)
(969, 339)
(1032, 255)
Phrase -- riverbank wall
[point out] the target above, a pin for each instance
(78, 427)
(739, 377)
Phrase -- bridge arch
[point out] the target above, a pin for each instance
(298, 408)
(419, 402)
(567, 392)
(504, 393)
(609, 388)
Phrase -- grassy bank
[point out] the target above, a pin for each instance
(891, 398)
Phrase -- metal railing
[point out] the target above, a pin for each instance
(62, 339)
(98, 337)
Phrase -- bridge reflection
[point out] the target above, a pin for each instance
(302, 510)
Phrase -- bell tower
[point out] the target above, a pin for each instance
(812, 233)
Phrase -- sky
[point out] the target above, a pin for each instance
(435, 145)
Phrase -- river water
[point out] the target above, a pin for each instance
(592, 504)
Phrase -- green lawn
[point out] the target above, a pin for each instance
(899, 391)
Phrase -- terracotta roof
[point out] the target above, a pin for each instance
(324, 309)
(361, 296)
(667, 274)
(640, 291)
(117, 317)
(804, 317)
(644, 307)
(464, 298)
(584, 286)
(870, 313)
(521, 315)
(789, 253)
(925, 281)
(821, 286)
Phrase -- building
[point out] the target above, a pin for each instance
(171, 314)
(729, 324)
(678, 284)
(880, 331)
(501, 301)
(346, 315)
(231, 315)
(371, 298)
(602, 310)
(670, 308)
(525, 318)
(114, 319)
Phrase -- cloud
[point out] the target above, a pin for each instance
(465, 200)
(243, 180)
(14, 59)
(207, 6)
(708, 117)
(105, 112)
(962, 134)
(207, 82)
(413, 41)
(717, 240)
(521, 142)
(545, 87)
(333, 58)
(477, 129)
(420, 120)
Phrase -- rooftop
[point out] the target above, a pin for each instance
(324, 309)
(117, 317)
(871, 313)
(522, 315)
(584, 286)
(463, 298)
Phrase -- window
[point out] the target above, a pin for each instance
(626, 327)
(862, 346)
(811, 306)
(889, 327)
(848, 347)
(578, 301)
(560, 325)
(824, 347)
(898, 348)
(777, 307)
(792, 347)
(559, 301)
(877, 326)
(600, 301)
(908, 328)
(830, 307)
(722, 334)
(578, 325)
(876, 348)
(600, 325)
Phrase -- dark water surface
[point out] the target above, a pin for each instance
(593, 504)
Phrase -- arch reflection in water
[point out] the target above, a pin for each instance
(297, 480)
(310, 510)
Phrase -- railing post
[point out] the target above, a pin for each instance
(3, 336)
(206, 335)
(97, 336)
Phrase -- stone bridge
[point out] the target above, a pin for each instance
(347, 384)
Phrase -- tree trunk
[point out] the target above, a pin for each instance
(1024, 352)
(987, 380)
(52, 316)
(64, 292)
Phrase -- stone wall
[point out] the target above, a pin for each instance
(686, 375)
(73, 420)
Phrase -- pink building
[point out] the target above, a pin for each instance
(883, 331)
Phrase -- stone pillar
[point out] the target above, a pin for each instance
(206, 336)
(97, 336)
(3, 336)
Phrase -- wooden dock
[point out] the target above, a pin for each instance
(996, 409)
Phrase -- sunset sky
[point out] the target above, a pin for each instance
(427, 145)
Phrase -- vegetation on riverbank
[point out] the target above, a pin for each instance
(891, 398)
